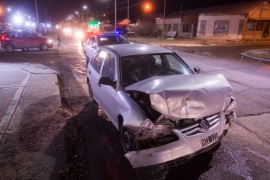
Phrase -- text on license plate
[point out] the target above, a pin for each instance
(209, 139)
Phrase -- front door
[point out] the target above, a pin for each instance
(94, 69)
(108, 92)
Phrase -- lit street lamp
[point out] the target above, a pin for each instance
(85, 8)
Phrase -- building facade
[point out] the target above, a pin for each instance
(245, 20)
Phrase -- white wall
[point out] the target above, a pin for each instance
(210, 22)
(169, 21)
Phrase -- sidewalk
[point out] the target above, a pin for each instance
(30, 130)
(257, 54)
(15, 82)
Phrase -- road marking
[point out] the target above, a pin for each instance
(6, 120)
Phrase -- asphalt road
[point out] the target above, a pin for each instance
(88, 147)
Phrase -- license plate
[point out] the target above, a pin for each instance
(209, 139)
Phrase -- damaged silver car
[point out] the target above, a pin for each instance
(165, 112)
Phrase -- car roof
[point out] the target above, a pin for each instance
(136, 49)
(107, 34)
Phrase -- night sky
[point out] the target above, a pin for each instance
(58, 10)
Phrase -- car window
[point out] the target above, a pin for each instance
(138, 68)
(108, 69)
(98, 60)
(14, 34)
(158, 59)
(173, 63)
(92, 40)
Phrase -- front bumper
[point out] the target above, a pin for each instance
(178, 151)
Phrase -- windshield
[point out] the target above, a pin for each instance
(138, 68)
(108, 40)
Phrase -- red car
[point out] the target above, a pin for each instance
(11, 40)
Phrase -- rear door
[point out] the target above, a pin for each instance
(31, 40)
(94, 70)
(15, 39)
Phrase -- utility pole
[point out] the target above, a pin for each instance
(46, 16)
(36, 12)
(115, 15)
(164, 12)
(128, 9)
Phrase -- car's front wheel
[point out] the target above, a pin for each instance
(9, 48)
(128, 140)
(44, 47)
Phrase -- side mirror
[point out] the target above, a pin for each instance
(197, 70)
(106, 81)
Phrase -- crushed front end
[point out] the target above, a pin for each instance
(184, 120)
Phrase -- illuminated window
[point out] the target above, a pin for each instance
(250, 26)
(221, 26)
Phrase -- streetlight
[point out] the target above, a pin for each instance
(85, 8)
(147, 7)
(3, 13)
(71, 17)
(36, 12)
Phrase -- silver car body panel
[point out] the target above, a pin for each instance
(186, 145)
(137, 49)
(177, 97)
(193, 96)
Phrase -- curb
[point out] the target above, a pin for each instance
(244, 55)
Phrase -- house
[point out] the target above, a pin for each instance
(245, 20)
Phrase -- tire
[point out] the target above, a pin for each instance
(128, 140)
(44, 47)
(9, 48)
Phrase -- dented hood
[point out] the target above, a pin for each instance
(186, 96)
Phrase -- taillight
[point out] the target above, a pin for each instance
(2, 38)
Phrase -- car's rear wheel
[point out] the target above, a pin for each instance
(128, 140)
(44, 47)
(9, 48)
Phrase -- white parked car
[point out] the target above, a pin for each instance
(101, 39)
(165, 111)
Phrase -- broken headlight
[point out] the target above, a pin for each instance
(153, 135)
(160, 128)
(231, 106)
(229, 112)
